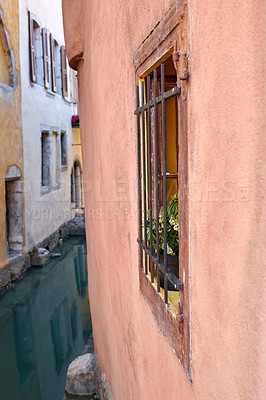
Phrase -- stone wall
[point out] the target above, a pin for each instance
(19, 264)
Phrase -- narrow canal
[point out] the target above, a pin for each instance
(44, 324)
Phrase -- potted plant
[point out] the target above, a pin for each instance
(172, 227)
(75, 121)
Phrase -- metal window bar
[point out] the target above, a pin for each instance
(164, 190)
(150, 177)
(139, 179)
(172, 92)
(144, 173)
(156, 178)
(161, 267)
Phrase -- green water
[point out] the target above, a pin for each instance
(44, 324)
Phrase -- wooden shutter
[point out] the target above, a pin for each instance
(64, 71)
(45, 59)
(53, 70)
(33, 77)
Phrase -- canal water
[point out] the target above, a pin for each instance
(44, 324)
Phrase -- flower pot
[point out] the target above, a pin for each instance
(75, 124)
(173, 265)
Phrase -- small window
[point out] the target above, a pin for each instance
(46, 159)
(63, 149)
(161, 76)
(76, 186)
(55, 160)
(73, 86)
(158, 163)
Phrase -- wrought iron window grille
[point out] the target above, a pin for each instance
(144, 143)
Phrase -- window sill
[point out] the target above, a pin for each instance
(166, 319)
(49, 189)
(45, 190)
(67, 101)
(7, 88)
(64, 167)
(49, 93)
(56, 186)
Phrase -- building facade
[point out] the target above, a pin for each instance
(50, 149)
(171, 97)
(41, 163)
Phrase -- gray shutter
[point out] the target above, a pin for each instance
(53, 69)
(33, 76)
(64, 71)
(45, 59)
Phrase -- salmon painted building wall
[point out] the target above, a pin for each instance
(226, 154)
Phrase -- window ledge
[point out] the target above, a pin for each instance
(7, 88)
(45, 190)
(67, 101)
(64, 167)
(166, 319)
(49, 189)
(49, 93)
(56, 186)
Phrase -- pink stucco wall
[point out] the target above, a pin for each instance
(226, 130)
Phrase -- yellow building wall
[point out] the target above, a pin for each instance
(171, 146)
(76, 146)
(11, 152)
(77, 155)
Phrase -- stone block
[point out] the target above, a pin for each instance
(5, 278)
(81, 376)
(102, 385)
(17, 267)
(40, 257)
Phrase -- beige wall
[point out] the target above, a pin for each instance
(10, 116)
(226, 146)
(45, 211)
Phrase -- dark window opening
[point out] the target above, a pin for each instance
(46, 159)
(76, 185)
(14, 211)
(63, 149)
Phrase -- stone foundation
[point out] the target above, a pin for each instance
(86, 380)
(20, 263)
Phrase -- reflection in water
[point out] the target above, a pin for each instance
(44, 324)
(81, 272)
(61, 335)
(24, 344)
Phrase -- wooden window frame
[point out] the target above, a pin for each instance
(170, 37)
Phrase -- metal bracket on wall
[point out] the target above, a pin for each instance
(180, 317)
(180, 61)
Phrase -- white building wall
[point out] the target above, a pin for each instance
(45, 209)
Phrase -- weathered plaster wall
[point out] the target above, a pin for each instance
(10, 115)
(44, 213)
(226, 186)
